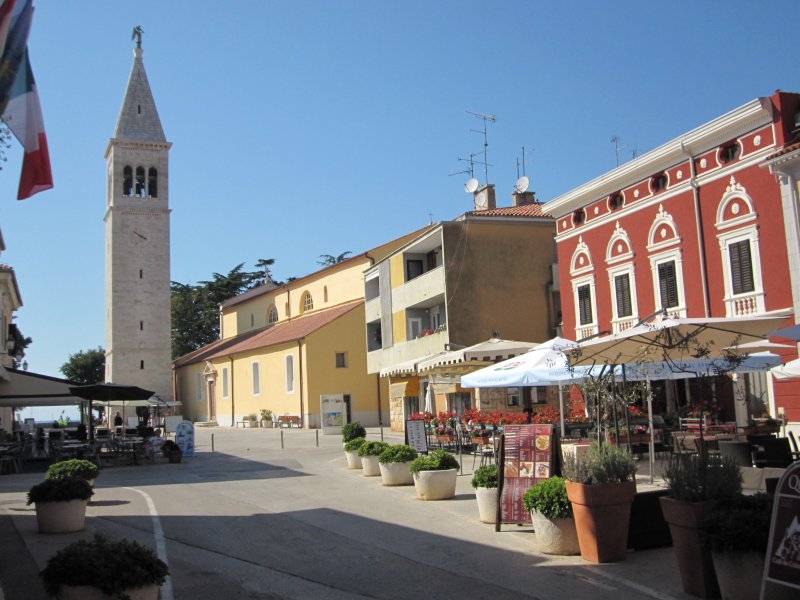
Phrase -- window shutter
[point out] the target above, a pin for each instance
(622, 283)
(741, 267)
(585, 305)
(668, 284)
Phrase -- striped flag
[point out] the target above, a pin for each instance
(5, 22)
(20, 107)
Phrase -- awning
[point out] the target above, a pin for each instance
(492, 350)
(408, 367)
(31, 389)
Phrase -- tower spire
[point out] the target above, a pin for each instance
(137, 35)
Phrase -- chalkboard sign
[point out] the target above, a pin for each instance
(415, 436)
(783, 551)
(526, 458)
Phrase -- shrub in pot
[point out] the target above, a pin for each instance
(266, 417)
(737, 531)
(601, 486)
(394, 463)
(551, 515)
(369, 453)
(435, 475)
(74, 468)
(351, 431)
(60, 504)
(484, 482)
(351, 452)
(118, 569)
(696, 483)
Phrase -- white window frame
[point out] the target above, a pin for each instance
(665, 257)
(224, 382)
(619, 323)
(289, 369)
(591, 327)
(754, 300)
(256, 376)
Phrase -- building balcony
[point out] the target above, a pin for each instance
(745, 305)
(622, 324)
(372, 310)
(401, 352)
(421, 292)
(585, 331)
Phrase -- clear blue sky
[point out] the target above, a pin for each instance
(314, 127)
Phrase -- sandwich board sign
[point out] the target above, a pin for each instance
(782, 566)
(332, 409)
(416, 437)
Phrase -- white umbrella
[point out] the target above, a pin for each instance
(788, 371)
(429, 398)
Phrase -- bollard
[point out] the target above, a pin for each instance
(317, 437)
(281, 439)
(212, 442)
(381, 431)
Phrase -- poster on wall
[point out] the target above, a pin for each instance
(184, 437)
(332, 410)
(526, 458)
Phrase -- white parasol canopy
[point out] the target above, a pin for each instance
(788, 371)
(491, 350)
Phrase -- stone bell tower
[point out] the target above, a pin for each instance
(138, 339)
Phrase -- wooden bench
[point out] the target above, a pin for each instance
(288, 421)
(244, 423)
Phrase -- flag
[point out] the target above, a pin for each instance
(23, 115)
(5, 22)
(19, 104)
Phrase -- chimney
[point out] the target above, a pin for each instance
(485, 198)
(523, 198)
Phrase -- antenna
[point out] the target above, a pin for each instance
(471, 185)
(486, 119)
(617, 147)
(522, 185)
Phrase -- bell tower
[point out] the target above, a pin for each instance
(137, 289)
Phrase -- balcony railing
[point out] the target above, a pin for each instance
(622, 324)
(424, 290)
(585, 331)
(745, 305)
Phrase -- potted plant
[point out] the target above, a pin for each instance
(394, 463)
(266, 418)
(98, 568)
(696, 483)
(435, 475)
(601, 486)
(551, 515)
(172, 451)
(737, 532)
(484, 482)
(351, 452)
(351, 431)
(60, 504)
(253, 418)
(369, 452)
(74, 468)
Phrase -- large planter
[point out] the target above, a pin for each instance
(555, 536)
(396, 473)
(739, 574)
(61, 517)
(602, 513)
(353, 459)
(371, 466)
(487, 504)
(85, 592)
(694, 558)
(435, 485)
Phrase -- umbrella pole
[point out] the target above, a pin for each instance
(625, 408)
(614, 403)
(652, 431)
(561, 407)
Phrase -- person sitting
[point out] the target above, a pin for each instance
(153, 444)
(118, 423)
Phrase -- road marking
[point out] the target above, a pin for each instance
(161, 546)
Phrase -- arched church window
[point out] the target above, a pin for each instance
(152, 183)
(140, 189)
(127, 181)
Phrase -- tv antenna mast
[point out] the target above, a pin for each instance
(486, 119)
(524, 154)
(615, 140)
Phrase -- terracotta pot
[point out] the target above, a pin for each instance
(435, 485)
(85, 592)
(396, 473)
(371, 466)
(739, 574)
(555, 536)
(487, 504)
(353, 460)
(694, 559)
(602, 515)
(61, 517)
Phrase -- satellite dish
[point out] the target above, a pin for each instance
(522, 185)
(471, 185)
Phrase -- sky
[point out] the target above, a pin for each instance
(316, 127)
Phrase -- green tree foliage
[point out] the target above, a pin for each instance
(86, 366)
(326, 260)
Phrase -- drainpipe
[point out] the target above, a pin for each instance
(300, 373)
(699, 227)
(230, 380)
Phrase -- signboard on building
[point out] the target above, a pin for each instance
(415, 436)
(184, 437)
(333, 410)
(783, 551)
(526, 457)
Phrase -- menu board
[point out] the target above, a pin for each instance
(526, 459)
(783, 551)
(415, 436)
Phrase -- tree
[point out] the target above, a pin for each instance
(86, 367)
(327, 260)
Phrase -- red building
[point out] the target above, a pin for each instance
(696, 227)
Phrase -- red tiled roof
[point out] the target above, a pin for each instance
(256, 291)
(525, 210)
(280, 333)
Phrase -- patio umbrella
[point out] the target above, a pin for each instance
(790, 370)
(790, 333)
(110, 393)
